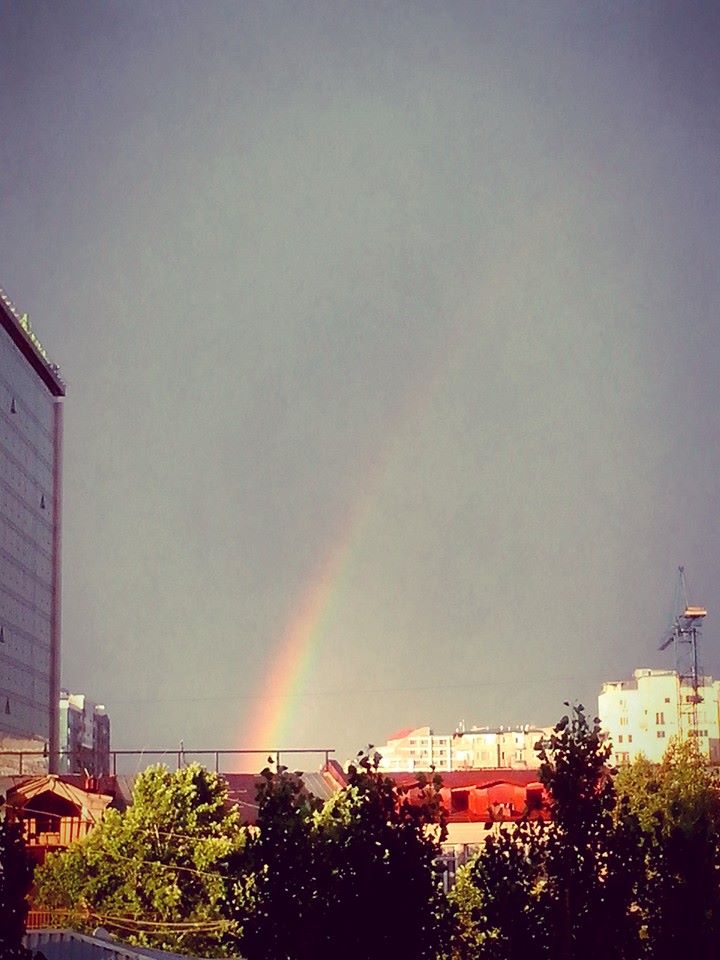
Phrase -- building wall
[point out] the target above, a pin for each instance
(29, 536)
(22, 755)
(642, 715)
(474, 749)
(418, 749)
(503, 747)
(84, 736)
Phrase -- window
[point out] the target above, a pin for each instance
(629, 738)
(623, 721)
(458, 800)
(660, 734)
(667, 699)
(620, 738)
(659, 718)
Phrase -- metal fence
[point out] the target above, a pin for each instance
(19, 762)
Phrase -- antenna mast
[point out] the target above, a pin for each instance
(684, 634)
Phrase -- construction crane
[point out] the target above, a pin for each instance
(684, 634)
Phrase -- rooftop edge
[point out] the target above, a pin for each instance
(19, 329)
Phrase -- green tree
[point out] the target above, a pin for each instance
(565, 889)
(277, 907)
(676, 805)
(153, 874)
(353, 877)
(499, 902)
(593, 863)
(465, 904)
(379, 845)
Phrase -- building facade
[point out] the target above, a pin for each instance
(503, 747)
(84, 736)
(479, 748)
(643, 714)
(416, 748)
(31, 393)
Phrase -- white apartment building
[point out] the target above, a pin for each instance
(642, 715)
(416, 748)
(483, 748)
(478, 748)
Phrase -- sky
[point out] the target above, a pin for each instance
(391, 338)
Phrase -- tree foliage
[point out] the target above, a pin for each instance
(353, 877)
(501, 910)
(152, 874)
(564, 889)
(15, 881)
(625, 866)
(593, 862)
(676, 805)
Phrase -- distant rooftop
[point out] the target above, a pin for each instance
(18, 327)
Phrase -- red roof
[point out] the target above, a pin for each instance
(402, 734)
(486, 795)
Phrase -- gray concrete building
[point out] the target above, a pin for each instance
(31, 392)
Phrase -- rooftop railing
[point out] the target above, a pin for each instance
(132, 761)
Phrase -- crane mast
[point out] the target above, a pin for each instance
(684, 635)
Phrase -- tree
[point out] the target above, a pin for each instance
(153, 874)
(277, 907)
(593, 863)
(353, 877)
(379, 844)
(15, 881)
(499, 901)
(564, 889)
(676, 805)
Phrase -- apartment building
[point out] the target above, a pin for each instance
(477, 748)
(641, 715)
(84, 736)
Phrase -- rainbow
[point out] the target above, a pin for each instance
(289, 669)
(291, 665)
(271, 720)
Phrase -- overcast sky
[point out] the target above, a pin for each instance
(422, 294)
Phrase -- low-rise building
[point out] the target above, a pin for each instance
(53, 811)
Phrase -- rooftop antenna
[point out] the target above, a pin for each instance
(684, 634)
